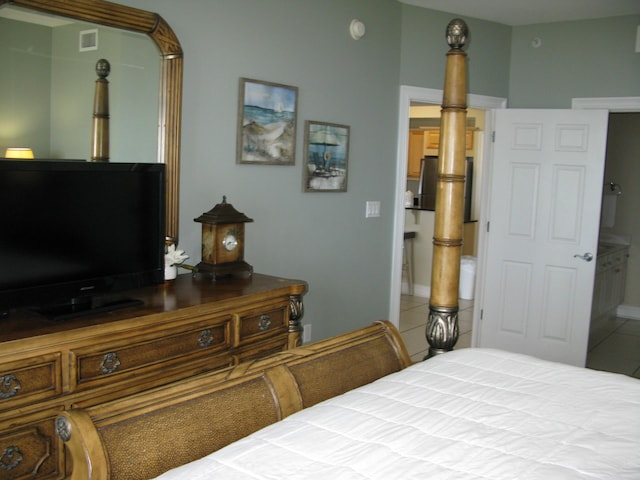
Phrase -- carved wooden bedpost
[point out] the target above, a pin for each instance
(100, 130)
(442, 326)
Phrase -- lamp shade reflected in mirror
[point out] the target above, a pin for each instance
(18, 153)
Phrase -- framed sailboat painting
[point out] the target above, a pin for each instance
(326, 157)
(267, 116)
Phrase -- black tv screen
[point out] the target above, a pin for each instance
(74, 232)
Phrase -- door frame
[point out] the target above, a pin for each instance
(613, 105)
(410, 94)
(536, 270)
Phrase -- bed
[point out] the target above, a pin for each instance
(353, 407)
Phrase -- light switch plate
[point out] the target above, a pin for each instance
(373, 209)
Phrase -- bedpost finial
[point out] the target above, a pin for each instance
(457, 32)
(103, 68)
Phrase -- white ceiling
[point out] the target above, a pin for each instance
(527, 12)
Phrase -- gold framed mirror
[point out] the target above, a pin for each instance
(171, 66)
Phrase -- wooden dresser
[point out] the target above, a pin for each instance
(186, 327)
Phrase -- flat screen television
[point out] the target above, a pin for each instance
(77, 235)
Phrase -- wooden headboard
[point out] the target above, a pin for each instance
(143, 435)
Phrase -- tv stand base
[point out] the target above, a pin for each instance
(83, 307)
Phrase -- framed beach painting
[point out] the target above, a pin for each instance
(326, 157)
(267, 115)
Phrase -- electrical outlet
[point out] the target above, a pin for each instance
(306, 333)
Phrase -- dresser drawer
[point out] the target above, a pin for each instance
(29, 380)
(263, 323)
(127, 358)
(611, 260)
(32, 451)
(604, 262)
(619, 258)
(262, 349)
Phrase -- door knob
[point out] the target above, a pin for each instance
(587, 257)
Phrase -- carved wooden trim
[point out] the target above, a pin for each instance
(296, 311)
(84, 445)
(442, 326)
(203, 413)
(442, 329)
(100, 126)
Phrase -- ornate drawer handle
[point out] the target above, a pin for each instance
(264, 323)
(205, 339)
(9, 386)
(110, 363)
(10, 458)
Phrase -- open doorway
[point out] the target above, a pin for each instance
(621, 168)
(409, 95)
(421, 182)
(424, 137)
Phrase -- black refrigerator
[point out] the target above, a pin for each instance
(428, 181)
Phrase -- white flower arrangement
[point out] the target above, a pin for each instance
(174, 257)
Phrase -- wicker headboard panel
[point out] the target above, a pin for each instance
(145, 434)
(333, 373)
(170, 436)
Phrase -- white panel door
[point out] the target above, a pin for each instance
(546, 187)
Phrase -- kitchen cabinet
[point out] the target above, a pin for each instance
(416, 152)
(426, 141)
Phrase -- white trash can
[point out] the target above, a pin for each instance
(467, 276)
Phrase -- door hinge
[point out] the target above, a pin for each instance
(493, 137)
(488, 223)
(481, 313)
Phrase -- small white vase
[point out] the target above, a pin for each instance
(170, 272)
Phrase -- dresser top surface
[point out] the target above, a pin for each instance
(185, 292)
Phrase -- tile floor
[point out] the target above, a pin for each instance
(614, 343)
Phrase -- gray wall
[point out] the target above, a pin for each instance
(324, 238)
(590, 58)
(424, 49)
(133, 88)
(48, 88)
(25, 59)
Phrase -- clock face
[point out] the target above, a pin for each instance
(222, 243)
(229, 241)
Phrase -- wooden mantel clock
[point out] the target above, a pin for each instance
(223, 241)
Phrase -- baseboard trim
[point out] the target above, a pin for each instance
(418, 290)
(423, 291)
(628, 311)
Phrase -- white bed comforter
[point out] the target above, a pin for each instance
(467, 414)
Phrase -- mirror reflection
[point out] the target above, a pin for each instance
(48, 79)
